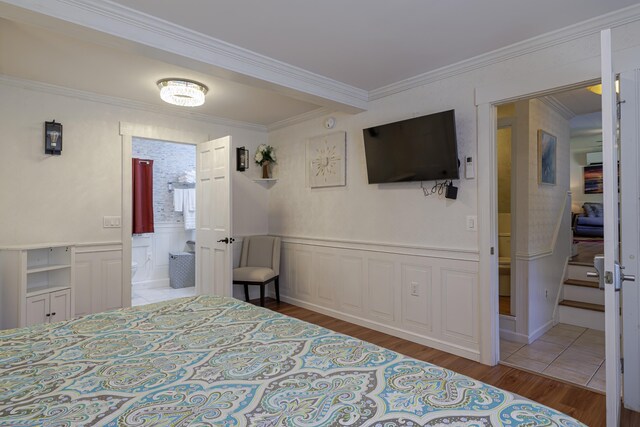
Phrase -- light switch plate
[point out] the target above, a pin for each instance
(472, 223)
(111, 222)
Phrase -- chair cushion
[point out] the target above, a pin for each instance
(252, 274)
(593, 221)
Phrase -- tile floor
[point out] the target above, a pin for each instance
(566, 352)
(142, 295)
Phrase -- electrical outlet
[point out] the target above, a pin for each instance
(546, 294)
(415, 289)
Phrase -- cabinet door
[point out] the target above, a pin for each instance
(60, 305)
(37, 309)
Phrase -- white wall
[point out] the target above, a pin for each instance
(151, 252)
(548, 230)
(399, 215)
(63, 198)
(542, 223)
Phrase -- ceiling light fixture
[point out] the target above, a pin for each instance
(597, 89)
(185, 93)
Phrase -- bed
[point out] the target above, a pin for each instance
(220, 361)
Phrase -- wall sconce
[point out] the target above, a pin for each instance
(242, 159)
(53, 138)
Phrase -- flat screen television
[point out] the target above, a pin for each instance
(419, 149)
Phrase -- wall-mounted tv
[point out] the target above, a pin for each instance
(419, 149)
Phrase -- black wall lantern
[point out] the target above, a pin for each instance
(242, 159)
(53, 138)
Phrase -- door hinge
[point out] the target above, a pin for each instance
(492, 250)
(622, 365)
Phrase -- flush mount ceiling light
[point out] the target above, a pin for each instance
(185, 93)
(597, 89)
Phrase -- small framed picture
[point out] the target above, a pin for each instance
(546, 158)
(242, 159)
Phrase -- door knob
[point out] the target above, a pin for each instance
(225, 240)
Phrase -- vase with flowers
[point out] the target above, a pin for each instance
(265, 157)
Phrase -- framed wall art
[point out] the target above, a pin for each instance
(546, 158)
(326, 160)
(593, 179)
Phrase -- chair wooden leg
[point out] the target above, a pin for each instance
(262, 295)
(278, 289)
(246, 292)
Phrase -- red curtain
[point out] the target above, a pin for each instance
(142, 196)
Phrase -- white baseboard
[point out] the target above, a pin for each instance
(541, 331)
(149, 284)
(429, 342)
(514, 336)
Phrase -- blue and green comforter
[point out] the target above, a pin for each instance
(219, 361)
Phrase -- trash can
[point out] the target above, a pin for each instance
(182, 269)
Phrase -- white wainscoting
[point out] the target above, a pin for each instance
(425, 295)
(151, 252)
(99, 284)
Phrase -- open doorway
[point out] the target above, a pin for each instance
(163, 244)
(549, 223)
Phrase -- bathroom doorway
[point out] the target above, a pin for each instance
(163, 254)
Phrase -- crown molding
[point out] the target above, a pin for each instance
(300, 118)
(553, 103)
(544, 41)
(120, 21)
(168, 111)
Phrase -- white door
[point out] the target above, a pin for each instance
(213, 218)
(611, 276)
(37, 310)
(630, 225)
(60, 305)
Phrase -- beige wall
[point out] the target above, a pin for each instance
(64, 198)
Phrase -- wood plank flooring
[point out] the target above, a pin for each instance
(582, 404)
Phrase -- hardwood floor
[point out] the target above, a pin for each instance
(582, 404)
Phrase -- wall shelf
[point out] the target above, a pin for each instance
(266, 182)
(47, 268)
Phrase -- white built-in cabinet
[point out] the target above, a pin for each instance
(36, 285)
(48, 307)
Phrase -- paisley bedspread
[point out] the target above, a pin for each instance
(219, 361)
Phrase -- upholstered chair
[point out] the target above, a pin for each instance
(259, 265)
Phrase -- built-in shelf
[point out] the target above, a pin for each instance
(45, 290)
(51, 267)
(37, 284)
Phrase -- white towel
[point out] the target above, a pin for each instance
(190, 201)
(178, 199)
(189, 210)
